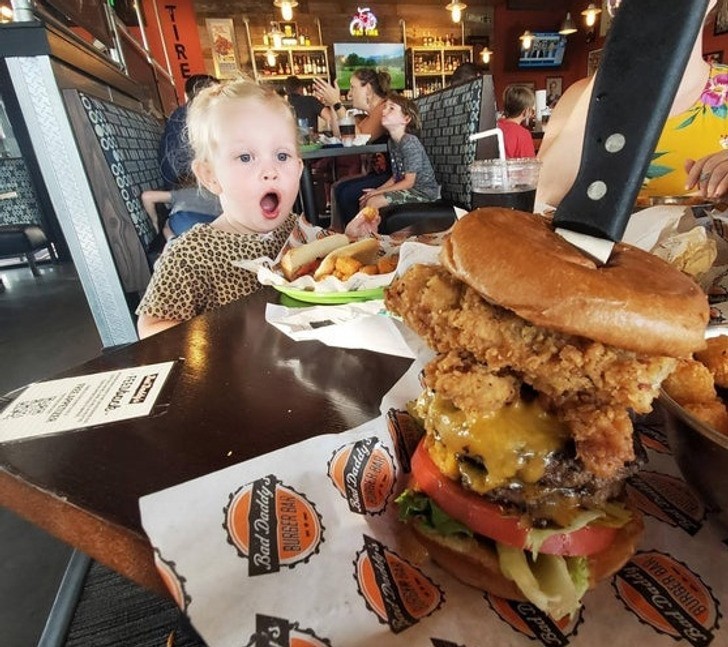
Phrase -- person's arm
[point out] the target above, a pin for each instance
(329, 95)
(560, 151)
(150, 198)
(148, 325)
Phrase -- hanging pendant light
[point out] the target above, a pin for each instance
(568, 26)
(456, 8)
(485, 55)
(286, 7)
(526, 39)
(590, 14)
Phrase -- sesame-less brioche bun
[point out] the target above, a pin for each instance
(476, 563)
(635, 301)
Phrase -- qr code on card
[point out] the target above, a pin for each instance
(30, 407)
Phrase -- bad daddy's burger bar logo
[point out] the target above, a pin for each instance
(530, 621)
(364, 473)
(272, 525)
(174, 582)
(395, 590)
(668, 596)
(279, 632)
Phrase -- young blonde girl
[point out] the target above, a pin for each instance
(244, 139)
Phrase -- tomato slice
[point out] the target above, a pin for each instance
(490, 520)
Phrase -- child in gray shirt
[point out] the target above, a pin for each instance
(413, 178)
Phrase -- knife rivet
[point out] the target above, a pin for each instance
(615, 143)
(597, 190)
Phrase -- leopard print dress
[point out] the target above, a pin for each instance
(195, 273)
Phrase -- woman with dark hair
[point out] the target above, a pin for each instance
(368, 92)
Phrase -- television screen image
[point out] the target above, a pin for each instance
(349, 57)
(547, 50)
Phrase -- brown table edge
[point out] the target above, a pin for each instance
(121, 550)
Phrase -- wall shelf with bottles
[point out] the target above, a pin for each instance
(278, 63)
(431, 67)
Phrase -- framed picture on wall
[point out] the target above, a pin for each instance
(714, 57)
(554, 86)
(721, 18)
(224, 51)
(288, 29)
(592, 61)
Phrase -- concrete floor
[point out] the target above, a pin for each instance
(45, 327)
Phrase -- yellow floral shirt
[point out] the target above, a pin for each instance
(700, 130)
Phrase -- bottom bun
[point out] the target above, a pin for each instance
(468, 560)
(476, 563)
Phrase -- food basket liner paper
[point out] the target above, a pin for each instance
(674, 589)
(268, 272)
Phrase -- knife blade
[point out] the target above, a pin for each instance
(644, 58)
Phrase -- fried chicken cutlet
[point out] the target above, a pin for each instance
(588, 385)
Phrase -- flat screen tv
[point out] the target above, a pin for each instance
(547, 50)
(349, 57)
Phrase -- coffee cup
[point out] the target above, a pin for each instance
(347, 129)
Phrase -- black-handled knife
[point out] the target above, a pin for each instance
(644, 59)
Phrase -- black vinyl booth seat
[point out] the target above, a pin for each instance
(22, 241)
(449, 117)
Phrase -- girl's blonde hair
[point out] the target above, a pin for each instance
(205, 127)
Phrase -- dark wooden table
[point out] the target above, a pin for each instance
(244, 389)
(308, 196)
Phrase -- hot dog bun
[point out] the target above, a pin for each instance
(365, 251)
(297, 257)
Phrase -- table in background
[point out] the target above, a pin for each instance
(308, 197)
(244, 389)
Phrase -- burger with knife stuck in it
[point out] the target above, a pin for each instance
(543, 358)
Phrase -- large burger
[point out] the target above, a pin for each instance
(543, 358)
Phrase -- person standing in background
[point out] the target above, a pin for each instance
(518, 106)
(175, 155)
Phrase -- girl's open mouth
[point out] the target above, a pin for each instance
(269, 205)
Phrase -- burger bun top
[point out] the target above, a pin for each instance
(636, 301)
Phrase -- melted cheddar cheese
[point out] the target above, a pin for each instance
(513, 443)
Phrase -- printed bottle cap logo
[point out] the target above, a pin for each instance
(395, 590)
(530, 621)
(279, 632)
(668, 499)
(666, 595)
(174, 582)
(405, 434)
(272, 525)
(365, 475)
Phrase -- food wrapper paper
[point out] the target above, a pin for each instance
(366, 325)
(303, 547)
(269, 273)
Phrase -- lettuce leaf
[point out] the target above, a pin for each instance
(552, 583)
(419, 506)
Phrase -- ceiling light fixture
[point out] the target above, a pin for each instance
(590, 14)
(568, 26)
(456, 8)
(286, 7)
(526, 39)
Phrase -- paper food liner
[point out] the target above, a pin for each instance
(269, 273)
(698, 246)
(297, 548)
